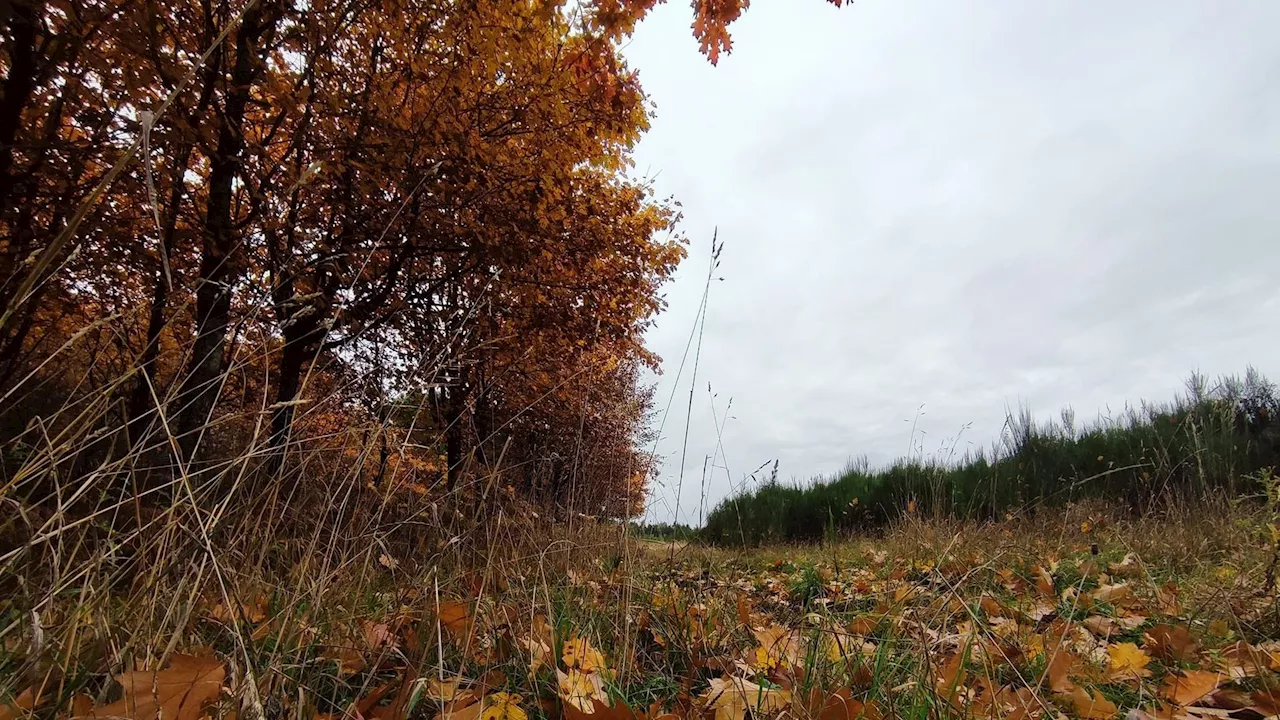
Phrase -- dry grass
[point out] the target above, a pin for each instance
(315, 622)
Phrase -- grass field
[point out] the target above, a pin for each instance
(1077, 613)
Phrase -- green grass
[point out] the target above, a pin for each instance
(1209, 443)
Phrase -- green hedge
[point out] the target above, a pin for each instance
(1209, 442)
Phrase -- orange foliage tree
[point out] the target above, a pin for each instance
(222, 216)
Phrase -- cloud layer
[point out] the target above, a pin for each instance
(964, 206)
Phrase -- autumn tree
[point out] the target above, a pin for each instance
(224, 215)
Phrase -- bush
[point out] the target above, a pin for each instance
(1207, 443)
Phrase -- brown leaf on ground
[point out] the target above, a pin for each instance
(377, 634)
(363, 707)
(1056, 673)
(1044, 582)
(348, 659)
(864, 624)
(1167, 599)
(449, 690)
(455, 616)
(24, 703)
(601, 711)
(1191, 686)
(1092, 706)
(1103, 627)
(1114, 594)
(1231, 699)
(252, 610)
(840, 705)
(951, 678)
(1241, 660)
(778, 646)
(744, 612)
(179, 692)
(1267, 702)
(461, 711)
(1171, 642)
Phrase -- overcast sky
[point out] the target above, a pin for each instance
(960, 205)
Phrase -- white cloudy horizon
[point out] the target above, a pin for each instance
(960, 206)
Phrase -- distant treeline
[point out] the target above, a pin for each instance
(663, 531)
(1215, 440)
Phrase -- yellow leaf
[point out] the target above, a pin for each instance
(780, 646)
(503, 706)
(579, 688)
(579, 653)
(732, 698)
(1128, 661)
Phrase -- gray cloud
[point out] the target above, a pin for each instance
(960, 205)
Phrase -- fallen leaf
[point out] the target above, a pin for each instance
(1044, 581)
(24, 703)
(461, 711)
(1128, 567)
(503, 706)
(1171, 642)
(455, 616)
(348, 659)
(732, 698)
(449, 691)
(1092, 706)
(1167, 599)
(378, 634)
(1059, 666)
(253, 610)
(1231, 699)
(1241, 660)
(840, 705)
(178, 692)
(1127, 661)
(780, 646)
(1191, 686)
(1113, 594)
(1103, 627)
(579, 688)
(578, 653)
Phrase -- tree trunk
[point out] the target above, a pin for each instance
(19, 83)
(454, 407)
(302, 345)
(219, 264)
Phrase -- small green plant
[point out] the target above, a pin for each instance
(808, 586)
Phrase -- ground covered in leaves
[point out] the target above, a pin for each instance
(931, 621)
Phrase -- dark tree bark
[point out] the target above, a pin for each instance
(19, 84)
(219, 264)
